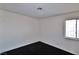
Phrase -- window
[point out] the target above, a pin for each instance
(72, 28)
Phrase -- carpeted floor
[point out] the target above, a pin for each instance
(37, 48)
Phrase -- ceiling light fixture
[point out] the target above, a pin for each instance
(39, 8)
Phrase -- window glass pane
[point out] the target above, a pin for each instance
(77, 28)
(70, 28)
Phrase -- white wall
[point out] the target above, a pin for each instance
(16, 30)
(52, 32)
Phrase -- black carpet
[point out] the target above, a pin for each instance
(37, 48)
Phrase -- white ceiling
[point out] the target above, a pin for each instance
(49, 9)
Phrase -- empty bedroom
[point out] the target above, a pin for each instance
(39, 28)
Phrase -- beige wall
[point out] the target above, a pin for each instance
(16, 30)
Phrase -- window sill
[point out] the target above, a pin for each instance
(70, 38)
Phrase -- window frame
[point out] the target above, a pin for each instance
(75, 32)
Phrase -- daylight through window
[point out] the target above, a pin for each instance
(72, 28)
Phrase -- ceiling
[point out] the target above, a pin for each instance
(40, 10)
